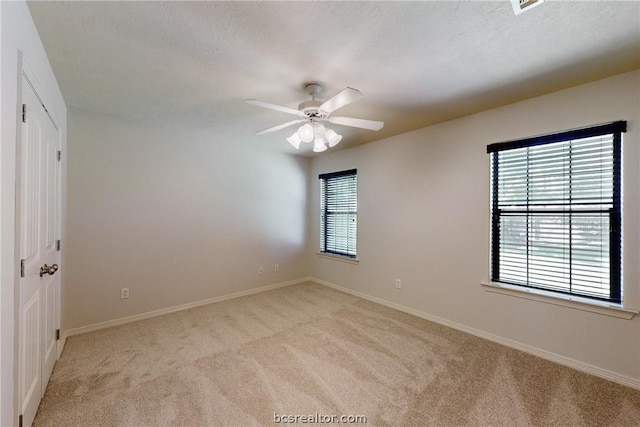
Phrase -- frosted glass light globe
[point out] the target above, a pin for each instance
(318, 145)
(295, 140)
(306, 133)
(333, 138)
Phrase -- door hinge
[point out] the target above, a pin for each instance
(57, 334)
(24, 113)
(20, 421)
(21, 268)
(57, 245)
(59, 155)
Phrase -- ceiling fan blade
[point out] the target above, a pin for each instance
(357, 123)
(346, 96)
(282, 126)
(274, 107)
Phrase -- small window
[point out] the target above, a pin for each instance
(556, 212)
(339, 213)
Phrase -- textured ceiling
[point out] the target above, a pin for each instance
(191, 64)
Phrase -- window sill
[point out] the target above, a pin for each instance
(338, 258)
(569, 301)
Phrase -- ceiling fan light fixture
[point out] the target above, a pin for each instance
(295, 140)
(306, 133)
(312, 113)
(332, 137)
(319, 145)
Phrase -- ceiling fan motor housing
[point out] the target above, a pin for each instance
(311, 108)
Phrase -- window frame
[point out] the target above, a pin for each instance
(615, 234)
(326, 214)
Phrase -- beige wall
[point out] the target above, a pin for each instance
(18, 34)
(423, 217)
(176, 217)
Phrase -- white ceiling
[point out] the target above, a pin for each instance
(418, 63)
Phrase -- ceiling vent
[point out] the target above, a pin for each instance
(520, 6)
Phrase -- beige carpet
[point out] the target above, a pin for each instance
(308, 349)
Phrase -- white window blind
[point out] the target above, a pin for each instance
(556, 214)
(339, 213)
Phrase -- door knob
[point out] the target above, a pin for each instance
(48, 269)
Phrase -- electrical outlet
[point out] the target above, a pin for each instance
(398, 283)
(124, 293)
(276, 268)
(260, 270)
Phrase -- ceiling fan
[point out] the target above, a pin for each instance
(314, 114)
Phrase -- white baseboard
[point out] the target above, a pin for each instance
(63, 341)
(544, 354)
(155, 313)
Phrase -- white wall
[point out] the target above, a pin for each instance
(423, 217)
(18, 34)
(176, 217)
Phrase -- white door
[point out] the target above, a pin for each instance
(38, 191)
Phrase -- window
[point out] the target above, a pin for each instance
(339, 213)
(556, 212)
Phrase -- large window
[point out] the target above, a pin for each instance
(339, 213)
(556, 212)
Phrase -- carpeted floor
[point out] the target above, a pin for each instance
(308, 349)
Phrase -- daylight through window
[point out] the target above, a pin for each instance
(339, 213)
(556, 212)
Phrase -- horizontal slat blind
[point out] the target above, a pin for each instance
(339, 211)
(556, 216)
